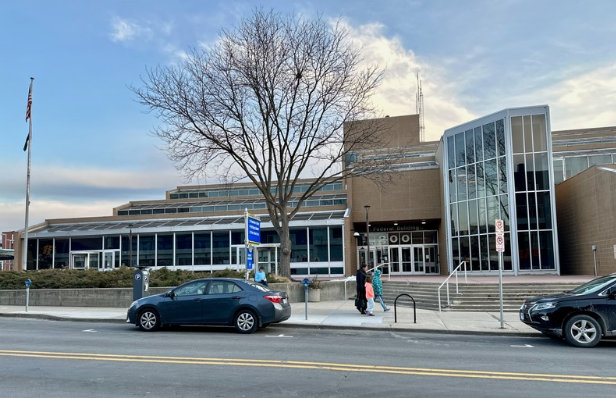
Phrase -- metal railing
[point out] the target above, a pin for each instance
(352, 278)
(446, 283)
(396, 307)
(379, 266)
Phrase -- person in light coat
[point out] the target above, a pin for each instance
(377, 285)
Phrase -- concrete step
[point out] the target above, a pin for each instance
(470, 297)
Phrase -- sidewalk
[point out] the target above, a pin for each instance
(339, 314)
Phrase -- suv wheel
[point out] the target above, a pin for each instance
(583, 331)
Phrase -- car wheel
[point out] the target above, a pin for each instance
(583, 331)
(149, 320)
(245, 322)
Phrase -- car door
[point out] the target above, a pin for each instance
(221, 301)
(608, 308)
(185, 305)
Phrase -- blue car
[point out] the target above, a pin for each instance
(247, 305)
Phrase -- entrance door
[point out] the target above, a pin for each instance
(431, 263)
(268, 258)
(407, 265)
(394, 260)
(108, 261)
(418, 260)
(238, 257)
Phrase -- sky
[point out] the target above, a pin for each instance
(92, 143)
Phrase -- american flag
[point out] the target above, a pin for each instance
(29, 107)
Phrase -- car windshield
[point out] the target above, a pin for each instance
(595, 285)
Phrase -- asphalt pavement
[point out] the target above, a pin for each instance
(340, 314)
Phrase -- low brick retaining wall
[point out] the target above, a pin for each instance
(122, 297)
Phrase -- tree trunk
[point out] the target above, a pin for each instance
(285, 251)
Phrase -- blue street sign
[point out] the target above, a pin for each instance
(28, 283)
(253, 230)
(248, 259)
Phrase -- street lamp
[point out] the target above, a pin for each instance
(367, 207)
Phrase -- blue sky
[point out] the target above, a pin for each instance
(92, 148)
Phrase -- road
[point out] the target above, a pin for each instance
(82, 359)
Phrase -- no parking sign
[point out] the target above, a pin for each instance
(500, 235)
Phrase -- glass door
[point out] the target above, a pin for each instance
(431, 263)
(418, 260)
(238, 257)
(407, 265)
(108, 262)
(394, 260)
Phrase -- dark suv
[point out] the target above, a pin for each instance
(582, 316)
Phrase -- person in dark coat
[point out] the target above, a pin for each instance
(361, 303)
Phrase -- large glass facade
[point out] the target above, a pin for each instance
(315, 249)
(478, 192)
(499, 168)
(532, 192)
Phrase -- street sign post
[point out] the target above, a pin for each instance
(252, 233)
(499, 226)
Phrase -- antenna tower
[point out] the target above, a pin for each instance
(419, 105)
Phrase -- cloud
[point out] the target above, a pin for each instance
(586, 100)
(80, 192)
(12, 215)
(397, 92)
(125, 30)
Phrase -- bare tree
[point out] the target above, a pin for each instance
(268, 102)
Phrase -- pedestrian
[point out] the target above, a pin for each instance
(260, 276)
(377, 285)
(360, 278)
(369, 296)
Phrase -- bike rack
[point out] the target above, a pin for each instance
(396, 309)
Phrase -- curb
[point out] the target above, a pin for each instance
(62, 318)
(288, 325)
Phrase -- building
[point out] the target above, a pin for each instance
(434, 209)
(7, 243)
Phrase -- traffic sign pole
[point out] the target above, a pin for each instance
(500, 248)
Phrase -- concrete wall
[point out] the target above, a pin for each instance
(123, 297)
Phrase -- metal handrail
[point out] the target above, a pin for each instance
(446, 282)
(379, 266)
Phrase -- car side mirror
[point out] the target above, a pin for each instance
(170, 294)
(611, 292)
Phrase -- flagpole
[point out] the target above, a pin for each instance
(29, 143)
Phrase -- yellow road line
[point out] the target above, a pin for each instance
(557, 378)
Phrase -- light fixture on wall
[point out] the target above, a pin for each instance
(395, 223)
(423, 223)
(356, 234)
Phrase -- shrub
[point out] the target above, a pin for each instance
(123, 277)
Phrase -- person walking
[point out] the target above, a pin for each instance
(377, 285)
(369, 296)
(360, 278)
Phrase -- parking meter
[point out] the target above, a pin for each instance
(141, 283)
(28, 283)
(306, 282)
